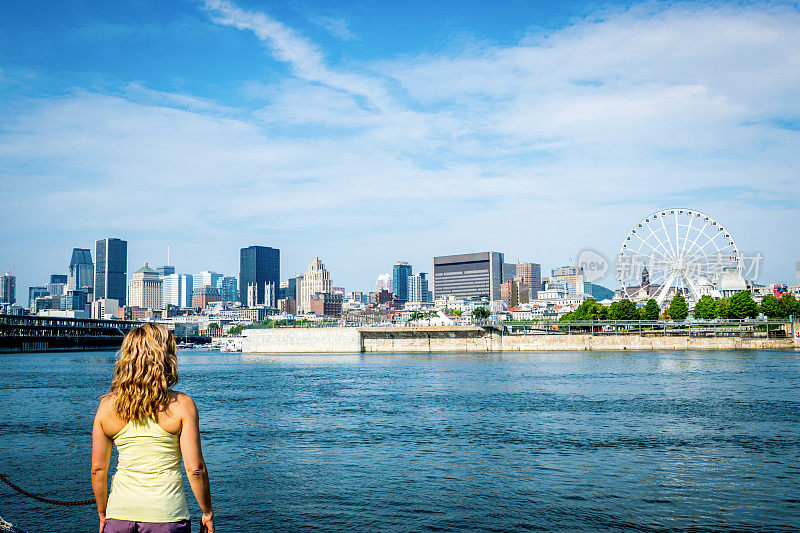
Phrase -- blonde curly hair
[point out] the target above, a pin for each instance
(146, 369)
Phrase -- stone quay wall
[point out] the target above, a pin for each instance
(476, 339)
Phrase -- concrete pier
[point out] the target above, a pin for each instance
(475, 339)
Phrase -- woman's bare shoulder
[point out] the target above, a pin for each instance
(183, 402)
(107, 416)
(107, 404)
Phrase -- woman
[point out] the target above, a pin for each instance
(152, 426)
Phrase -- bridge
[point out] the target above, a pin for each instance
(51, 334)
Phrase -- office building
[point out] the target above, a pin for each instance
(57, 285)
(74, 300)
(56, 289)
(229, 288)
(571, 277)
(509, 271)
(315, 280)
(287, 306)
(531, 274)
(475, 275)
(250, 314)
(298, 280)
(36, 292)
(111, 269)
(165, 270)
(514, 292)
(418, 288)
(328, 304)
(400, 273)
(207, 278)
(202, 296)
(81, 271)
(8, 288)
(797, 272)
(146, 289)
(178, 290)
(45, 302)
(258, 267)
(105, 309)
(289, 288)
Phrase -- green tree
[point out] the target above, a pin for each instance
(651, 310)
(481, 313)
(678, 310)
(623, 310)
(588, 310)
(237, 330)
(567, 317)
(789, 306)
(742, 305)
(770, 307)
(706, 308)
(722, 308)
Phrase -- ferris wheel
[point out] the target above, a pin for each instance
(674, 250)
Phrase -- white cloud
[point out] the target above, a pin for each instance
(539, 148)
(288, 46)
(336, 26)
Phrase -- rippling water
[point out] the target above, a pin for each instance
(641, 441)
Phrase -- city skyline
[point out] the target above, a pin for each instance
(390, 135)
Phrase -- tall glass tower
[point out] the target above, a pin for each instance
(259, 266)
(400, 275)
(111, 272)
(81, 271)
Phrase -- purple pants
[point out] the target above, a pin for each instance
(124, 526)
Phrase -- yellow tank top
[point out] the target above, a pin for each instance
(148, 486)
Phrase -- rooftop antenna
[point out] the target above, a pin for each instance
(168, 263)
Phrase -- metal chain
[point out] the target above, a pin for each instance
(46, 500)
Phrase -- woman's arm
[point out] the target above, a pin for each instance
(101, 455)
(193, 460)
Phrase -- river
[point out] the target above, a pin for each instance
(622, 441)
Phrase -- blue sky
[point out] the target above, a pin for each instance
(377, 132)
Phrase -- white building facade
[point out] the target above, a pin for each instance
(146, 289)
(178, 290)
(315, 280)
(418, 287)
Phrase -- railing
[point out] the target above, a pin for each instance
(690, 328)
(37, 326)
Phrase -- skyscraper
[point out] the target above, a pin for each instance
(258, 267)
(146, 289)
(797, 272)
(531, 274)
(418, 287)
(165, 270)
(8, 288)
(111, 271)
(400, 274)
(571, 277)
(207, 278)
(476, 275)
(81, 271)
(316, 280)
(58, 278)
(229, 288)
(178, 290)
(509, 271)
(35, 292)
